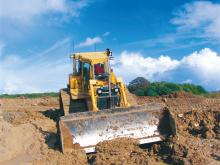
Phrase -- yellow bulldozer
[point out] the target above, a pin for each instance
(95, 108)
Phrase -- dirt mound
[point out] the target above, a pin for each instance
(178, 151)
(31, 137)
(120, 151)
(205, 124)
(36, 119)
(197, 141)
(18, 140)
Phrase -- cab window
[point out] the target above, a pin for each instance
(86, 75)
(99, 69)
(77, 67)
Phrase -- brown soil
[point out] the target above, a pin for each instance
(28, 134)
(121, 151)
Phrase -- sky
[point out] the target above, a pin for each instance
(175, 41)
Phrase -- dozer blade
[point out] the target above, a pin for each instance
(147, 123)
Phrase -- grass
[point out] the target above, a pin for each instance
(30, 95)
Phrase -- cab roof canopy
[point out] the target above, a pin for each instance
(91, 56)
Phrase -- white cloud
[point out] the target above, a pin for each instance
(201, 67)
(26, 10)
(200, 15)
(131, 65)
(89, 42)
(46, 71)
(106, 34)
(205, 65)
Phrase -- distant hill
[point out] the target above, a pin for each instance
(142, 88)
(138, 85)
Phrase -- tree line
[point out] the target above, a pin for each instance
(142, 87)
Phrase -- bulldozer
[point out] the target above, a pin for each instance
(95, 108)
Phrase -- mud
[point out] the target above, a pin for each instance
(29, 135)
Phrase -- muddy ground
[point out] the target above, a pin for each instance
(28, 134)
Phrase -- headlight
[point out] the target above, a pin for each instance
(99, 91)
(116, 90)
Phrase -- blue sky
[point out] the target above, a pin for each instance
(171, 40)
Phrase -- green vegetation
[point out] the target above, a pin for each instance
(30, 95)
(164, 88)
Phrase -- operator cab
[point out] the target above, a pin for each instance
(100, 70)
(91, 65)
